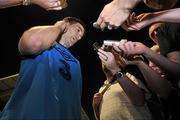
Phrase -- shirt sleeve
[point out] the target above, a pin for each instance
(168, 38)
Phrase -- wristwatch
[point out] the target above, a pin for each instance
(118, 75)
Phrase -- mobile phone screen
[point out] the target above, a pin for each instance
(96, 46)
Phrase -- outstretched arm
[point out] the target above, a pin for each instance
(37, 39)
(167, 65)
(115, 13)
(154, 80)
(138, 22)
(171, 15)
(170, 66)
(46, 4)
(134, 93)
(9, 3)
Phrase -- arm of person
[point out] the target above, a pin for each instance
(96, 112)
(115, 13)
(97, 98)
(133, 48)
(134, 93)
(171, 15)
(9, 3)
(168, 65)
(46, 4)
(37, 39)
(154, 80)
(138, 22)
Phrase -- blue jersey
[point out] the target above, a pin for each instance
(49, 87)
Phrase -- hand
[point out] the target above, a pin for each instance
(118, 53)
(130, 48)
(138, 22)
(50, 4)
(115, 13)
(97, 98)
(123, 60)
(108, 59)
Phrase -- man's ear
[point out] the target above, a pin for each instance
(66, 26)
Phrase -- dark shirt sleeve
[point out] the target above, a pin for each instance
(168, 38)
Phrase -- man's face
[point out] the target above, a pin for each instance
(73, 34)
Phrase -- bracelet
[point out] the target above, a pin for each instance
(26, 2)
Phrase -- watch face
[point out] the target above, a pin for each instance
(119, 74)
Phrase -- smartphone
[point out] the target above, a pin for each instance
(110, 42)
(96, 46)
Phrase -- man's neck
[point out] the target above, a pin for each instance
(64, 43)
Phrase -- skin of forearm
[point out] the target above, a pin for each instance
(9, 3)
(163, 63)
(41, 38)
(134, 93)
(127, 4)
(171, 15)
(154, 80)
(96, 112)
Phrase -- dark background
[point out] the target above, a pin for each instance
(15, 20)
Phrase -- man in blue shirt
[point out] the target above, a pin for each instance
(49, 84)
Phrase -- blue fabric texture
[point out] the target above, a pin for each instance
(48, 88)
